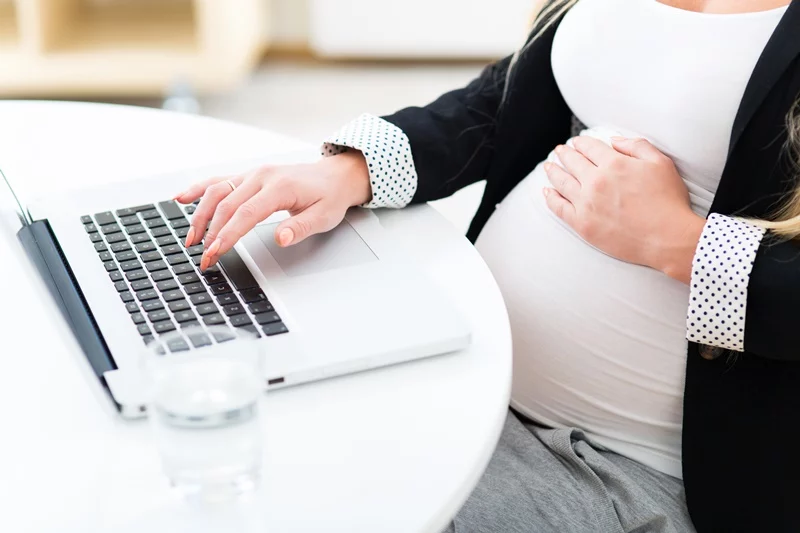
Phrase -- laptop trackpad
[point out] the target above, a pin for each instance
(339, 248)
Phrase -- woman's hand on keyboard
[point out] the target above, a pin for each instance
(316, 195)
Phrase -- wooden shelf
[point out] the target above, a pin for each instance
(9, 26)
(127, 47)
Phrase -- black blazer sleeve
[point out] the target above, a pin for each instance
(773, 302)
(452, 138)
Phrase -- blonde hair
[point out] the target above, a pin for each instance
(786, 221)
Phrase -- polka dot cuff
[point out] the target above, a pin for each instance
(720, 275)
(388, 154)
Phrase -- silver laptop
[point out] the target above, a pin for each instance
(338, 303)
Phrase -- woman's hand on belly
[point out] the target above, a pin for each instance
(628, 201)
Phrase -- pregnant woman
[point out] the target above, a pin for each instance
(641, 217)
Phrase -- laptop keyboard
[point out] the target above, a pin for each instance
(159, 280)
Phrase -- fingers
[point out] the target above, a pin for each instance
(243, 218)
(227, 207)
(559, 205)
(213, 195)
(576, 163)
(595, 150)
(563, 181)
(293, 230)
(637, 148)
(197, 190)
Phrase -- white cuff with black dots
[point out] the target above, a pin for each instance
(388, 154)
(720, 276)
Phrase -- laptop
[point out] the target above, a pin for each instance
(338, 303)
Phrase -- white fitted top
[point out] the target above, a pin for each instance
(599, 344)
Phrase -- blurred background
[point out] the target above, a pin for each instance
(300, 67)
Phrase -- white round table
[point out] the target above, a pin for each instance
(392, 450)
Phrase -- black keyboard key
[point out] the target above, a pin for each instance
(171, 296)
(164, 327)
(179, 223)
(95, 237)
(253, 330)
(116, 276)
(228, 299)
(111, 228)
(191, 277)
(161, 232)
(150, 213)
(149, 339)
(155, 266)
(154, 223)
(148, 294)
(237, 271)
(220, 288)
(132, 307)
(133, 210)
(179, 305)
(188, 325)
(190, 209)
(110, 266)
(197, 259)
(182, 232)
(261, 307)
(161, 275)
(183, 269)
(199, 340)
(167, 285)
(214, 320)
(184, 316)
(145, 247)
(172, 249)
(86, 219)
(140, 238)
(253, 295)
(143, 330)
(116, 237)
(194, 288)
(158, 316)
(166, 240)
(126, 296)
(135, 275)
(267, 318)
(240, 321)
(276, 328)
(138, 318)
(141, 285)
(120, 247)
(90, 228)
(129, 220)
(207, 309)
(177, 259)
(177, 345)
(127, 255)
(121, 286)
(105, 256)
(197, 249)
(234, 309)
(224, 336)
(151, 256)
(127, 266)
(214, 277)
(212, 270)
(100, 247)
(152, 305)
(171, 210)
(135, 229)
(105, 218)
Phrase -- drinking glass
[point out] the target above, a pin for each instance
(204, 409)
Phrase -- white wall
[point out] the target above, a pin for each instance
(290, 23)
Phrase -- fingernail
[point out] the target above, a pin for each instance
(617, 138)
(545, 191)
(548, 167)
(178, 195)
(559, 148)
(285, 237)
(213, 249)
(190, 236)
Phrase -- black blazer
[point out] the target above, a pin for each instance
(741, 451)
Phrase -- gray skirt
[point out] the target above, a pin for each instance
(544, 480)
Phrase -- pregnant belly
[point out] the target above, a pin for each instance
(598, 343)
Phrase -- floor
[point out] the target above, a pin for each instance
(310, 101)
